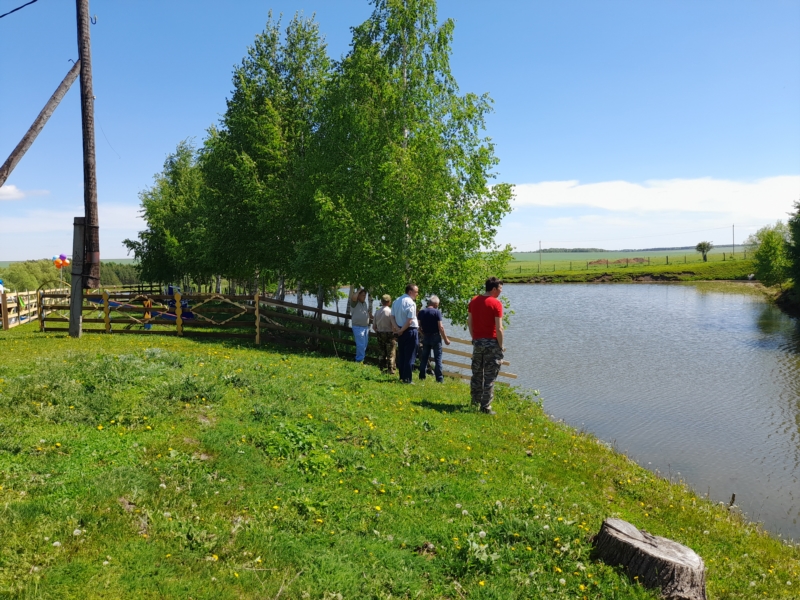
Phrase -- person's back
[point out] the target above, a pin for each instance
(429, 319)
(485, 322)
(484, 310)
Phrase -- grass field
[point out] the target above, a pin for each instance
(528, 262)
(161, 467)
(729, 269)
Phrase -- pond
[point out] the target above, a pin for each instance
(687, 380)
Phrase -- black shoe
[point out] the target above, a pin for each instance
(488, 411)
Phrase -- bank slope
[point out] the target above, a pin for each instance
(152, 467)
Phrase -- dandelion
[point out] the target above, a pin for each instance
(214, 557)
(458, 506)
(163, 486)
(546, 527)
(99, 428)
(562, 581)
(482, 534)
(481, 583)
(378, 508)
(56, 544)
(77, 532)
(105, 563)
(465, 512)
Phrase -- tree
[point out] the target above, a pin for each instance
(793, 249)
(174, 244)
(770, 256)
(255, 165)
(402, 170)
(704, 248)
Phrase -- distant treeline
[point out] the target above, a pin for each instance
(31, 274)
(546, 250)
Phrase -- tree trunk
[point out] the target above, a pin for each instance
(300, 297)
(219, 284)
(656, 561)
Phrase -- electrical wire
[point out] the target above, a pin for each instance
(18, 8)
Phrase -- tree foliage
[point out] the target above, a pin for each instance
(174, 243)
(704, 248)
(770, 253)
(373, 169)
(793, 248)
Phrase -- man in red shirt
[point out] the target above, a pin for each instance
(485, 321)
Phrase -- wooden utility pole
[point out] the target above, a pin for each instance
(39, 123)
(91, 262)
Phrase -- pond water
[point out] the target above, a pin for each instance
(696, 383)
(702, 385)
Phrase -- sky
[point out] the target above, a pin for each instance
(622, 123)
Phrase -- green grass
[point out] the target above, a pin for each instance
(729, 269)
(171, 468)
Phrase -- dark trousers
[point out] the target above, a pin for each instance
(431, 345)
(407, 353)
(487, 358)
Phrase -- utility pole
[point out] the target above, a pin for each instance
(91, 262)
(38, 124)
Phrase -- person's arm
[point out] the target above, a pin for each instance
(469, 325)
(444, 335)
(498, 323)
(353, 293)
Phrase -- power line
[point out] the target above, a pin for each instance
(18, 8)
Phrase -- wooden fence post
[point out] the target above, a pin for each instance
(106, 311)
(4, 310)
(178, 311)
(258, 321)
(40, 308)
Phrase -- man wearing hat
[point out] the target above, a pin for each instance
(382, 325)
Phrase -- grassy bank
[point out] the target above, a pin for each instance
(136, 467)
(730, 269)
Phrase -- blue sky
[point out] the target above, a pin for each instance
(623, 123)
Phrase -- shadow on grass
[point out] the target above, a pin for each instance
(443, 408)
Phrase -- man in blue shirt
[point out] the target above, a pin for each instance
(404, 311)
(430, 322)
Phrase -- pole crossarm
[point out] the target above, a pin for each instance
(39, 123)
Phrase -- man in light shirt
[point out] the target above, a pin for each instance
(383, 326)
(406, 327)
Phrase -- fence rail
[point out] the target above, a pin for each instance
(258, 318)
(18, 308)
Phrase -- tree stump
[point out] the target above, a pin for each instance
(655, 561)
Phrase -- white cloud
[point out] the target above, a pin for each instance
(112, 216)
(768, 198)
(12, 192)
(657, 213)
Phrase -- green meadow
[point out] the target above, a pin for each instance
(528, 262)
(555, 272)
(162, 467)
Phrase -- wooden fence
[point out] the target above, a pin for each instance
(18, 308)
(257, 318)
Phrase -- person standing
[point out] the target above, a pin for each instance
(382, 326)
(430, 323)
(485, 322)
(404, 311)
(360, 318)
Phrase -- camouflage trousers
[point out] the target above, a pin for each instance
(486, 360)
(387, 348)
